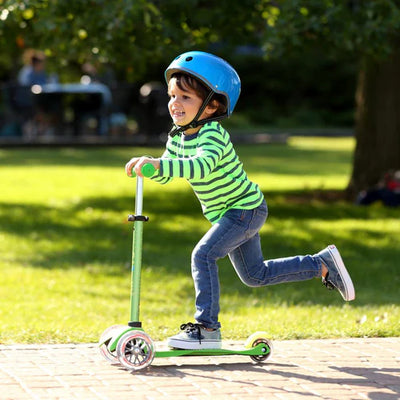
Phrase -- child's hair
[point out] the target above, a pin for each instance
(187, 82)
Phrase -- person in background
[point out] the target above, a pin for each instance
(387, 191)
(34, 71)
(44, 110)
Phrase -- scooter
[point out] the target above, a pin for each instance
(129, 345)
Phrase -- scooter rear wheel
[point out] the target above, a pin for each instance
(254, 340)
(135, 350)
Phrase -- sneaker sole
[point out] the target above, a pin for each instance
(191, 345)
(347, 282)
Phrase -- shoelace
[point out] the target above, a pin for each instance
(190, 327)
(327, 282)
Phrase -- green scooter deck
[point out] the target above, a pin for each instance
(259, 350)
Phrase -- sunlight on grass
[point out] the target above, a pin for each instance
(321, 143)
(274, 182)
(65, 247)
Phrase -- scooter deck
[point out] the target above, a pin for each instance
(260, 349)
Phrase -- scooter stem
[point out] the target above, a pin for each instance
(137, 255)
(139, 196)
(138, 220)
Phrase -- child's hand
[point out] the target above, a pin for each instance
(130, 164)
(137, 164)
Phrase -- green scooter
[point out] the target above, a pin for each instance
(129, 345)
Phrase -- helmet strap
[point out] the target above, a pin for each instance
(195, 123)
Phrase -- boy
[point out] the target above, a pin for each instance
(203, 90)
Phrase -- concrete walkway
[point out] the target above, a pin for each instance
(341, 369)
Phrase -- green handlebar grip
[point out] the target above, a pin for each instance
(147, 170)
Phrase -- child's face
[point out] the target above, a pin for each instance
(184, 105)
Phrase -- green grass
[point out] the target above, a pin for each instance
(65, 247)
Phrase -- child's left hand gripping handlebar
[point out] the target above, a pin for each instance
(147, 170)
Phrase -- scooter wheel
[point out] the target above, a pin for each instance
(254, 340)
(135, 350)
(104, 341)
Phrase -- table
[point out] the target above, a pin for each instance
(51, 94)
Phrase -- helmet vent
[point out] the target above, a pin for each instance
(189, 59)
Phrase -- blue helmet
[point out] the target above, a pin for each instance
(212, 71)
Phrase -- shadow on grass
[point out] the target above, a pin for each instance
(72, 237)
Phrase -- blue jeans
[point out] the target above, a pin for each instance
(236, 235)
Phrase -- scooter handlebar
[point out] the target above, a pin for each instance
(147, 170)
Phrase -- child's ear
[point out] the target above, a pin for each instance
(211, 107)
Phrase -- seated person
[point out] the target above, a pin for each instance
(387, 191)
(34, 72)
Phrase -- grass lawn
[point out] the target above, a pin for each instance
(65, 247)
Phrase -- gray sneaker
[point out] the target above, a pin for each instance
(337, 277)
(195, 337)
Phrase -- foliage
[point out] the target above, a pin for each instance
(135, 35)
(130, 35)
(360, 27)
(65, 247)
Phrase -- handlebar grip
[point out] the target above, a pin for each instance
(147, 170)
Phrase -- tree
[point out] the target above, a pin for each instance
(369, 30)
(377, 121)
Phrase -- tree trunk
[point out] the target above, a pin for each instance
(377, 123)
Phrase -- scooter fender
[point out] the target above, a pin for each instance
(117, 334)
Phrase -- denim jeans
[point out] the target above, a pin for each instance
(236, 235)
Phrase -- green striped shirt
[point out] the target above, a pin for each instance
(209, 162)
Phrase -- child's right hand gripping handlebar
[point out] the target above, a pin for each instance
(147, 170)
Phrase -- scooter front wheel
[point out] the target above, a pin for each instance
(104, 341)
(135, 350)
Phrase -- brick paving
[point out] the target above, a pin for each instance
(337, 369)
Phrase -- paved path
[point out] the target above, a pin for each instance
(341, 369)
